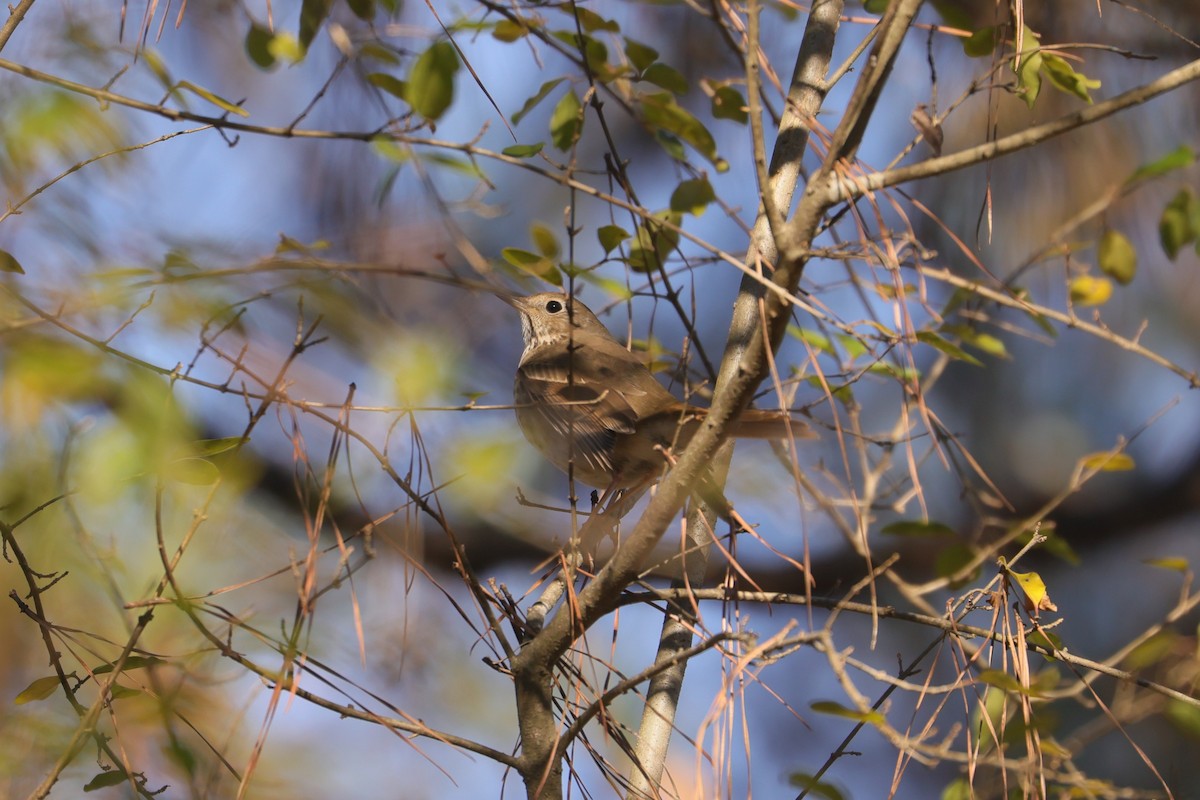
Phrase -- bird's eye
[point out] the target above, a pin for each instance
(554, 306)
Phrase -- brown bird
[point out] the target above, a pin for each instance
(593, 408)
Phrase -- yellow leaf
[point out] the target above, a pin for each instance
(1107, 462)
(1035, 591)
(1088, 290)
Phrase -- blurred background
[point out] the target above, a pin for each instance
(170, 273)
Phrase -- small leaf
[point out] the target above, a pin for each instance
(532, 102)
(523, 150)
(363, 9)
(1064, 77)
(390, 149)
(220, 102)
(132, 662)
(389, 83)
(258, 46)
(1107, 462)
(813, 787)
(1028, 68)
(916, 527)
(508, 31)
(728, 103)
(1185, 717)
(1088, 290)
(1176, 563)
(875, 6)
(286, 47)
(312, 15)
(659, 110)
(1035, 591)
(38, 690)
(431, 82)
(667, 77)
(590, 21)
(611, 236)
(544, 240)
(1151, 651)
(1048, 640)
(1116, 257)
(566, 122)
(952, 560)
(193, 471)
(8, 263)
(949, 348)
(103, 780)
(1178, 158)
(640, 55)
(692, 196)
(1175, 228)
(839, 710)
(119, 692)
(534, 264)
(1001, 680)
(980, 43)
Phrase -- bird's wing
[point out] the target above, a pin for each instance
(573, 400)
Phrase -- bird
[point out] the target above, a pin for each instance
(594, 409)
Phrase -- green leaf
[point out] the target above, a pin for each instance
(9, 263)
(654, 242)
(813, 787)
(220, 102)
(1028, 71)
(312, 15)
(611, 236)
(1176, 563)
(875, 6)
(538, 97)
(728, 103)
(958, 789)
(659, 110)
(103, 780)
(508, 31)
(953, 559)
(916, 527)
(566, 122)
(40, 689)
(118, 692)
(984, 342)
(1088, 290)
(523, 150)
(133, 662)
(839, 710)
(1064, 77)
(667, 77)
(1045, 639)
(1002, 680)
(431, 82)
(532, 263)
(1175, 228)
(1180, 157)
(1116, 257)
(949, 348)
(980, 43)
(640, 55)
(389, 83)
(258, 46)
(1151, 651)
(544, 240)
(363, 9)
(390, 149)
(589, 20)
(1185, 717)
(692, 196)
